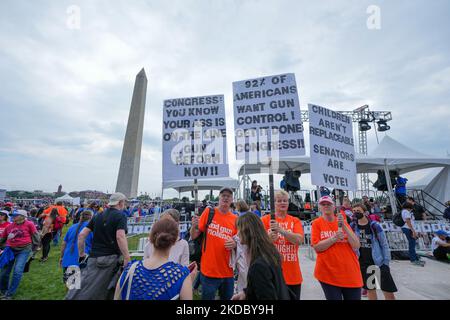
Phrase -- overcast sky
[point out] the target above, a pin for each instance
(65, 93)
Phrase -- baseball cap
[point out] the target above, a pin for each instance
(116, 198)
(441, 233)
(326, 199)
(4, 213)
(19, 212)
(226, 189)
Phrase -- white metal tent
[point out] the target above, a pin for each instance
(388, 155)
(398, 157)
(65, 198)
(438, 189)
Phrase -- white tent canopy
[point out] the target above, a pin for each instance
(398, 156)
(278, 167)
(203, 184)
(438, 189)
(65, 198)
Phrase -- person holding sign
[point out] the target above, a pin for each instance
(287, 234)
(215, 271)
(337, 266)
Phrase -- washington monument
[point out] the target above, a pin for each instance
(127, 182)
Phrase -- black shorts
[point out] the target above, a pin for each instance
(386, 282)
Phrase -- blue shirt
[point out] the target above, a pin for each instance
(400, 188)
(163, 283)
(70, 257)
(257, 212)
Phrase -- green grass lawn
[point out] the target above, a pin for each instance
(44, 281)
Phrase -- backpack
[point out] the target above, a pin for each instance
(57, 224)
(398, 220)
(196, 245)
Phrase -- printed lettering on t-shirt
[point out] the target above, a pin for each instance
(326, 234)
(218, 231)
(287, 250)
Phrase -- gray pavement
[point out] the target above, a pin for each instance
(431, 282)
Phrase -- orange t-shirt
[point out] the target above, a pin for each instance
(338, 265)
(289, 251)
(62, 212)
(215, 262)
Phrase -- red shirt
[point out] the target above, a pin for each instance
(3, 228)
(21, 234)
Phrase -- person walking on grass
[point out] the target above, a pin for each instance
(21, 239)
(52, 225)
(69, 247)
(109, 253)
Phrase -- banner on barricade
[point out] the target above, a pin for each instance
(332, 151)
(194, 138)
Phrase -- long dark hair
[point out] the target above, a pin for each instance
(254, 235)
(54, 214)
(86, 215)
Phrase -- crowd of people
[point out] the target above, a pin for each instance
(233, 251)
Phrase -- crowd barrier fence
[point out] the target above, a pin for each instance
(396, 238)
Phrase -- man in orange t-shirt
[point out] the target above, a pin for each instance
(287, 234)
(215, 271)
(62, 212)
(337, 266)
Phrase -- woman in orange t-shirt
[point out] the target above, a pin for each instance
(337, 265)
(286, 233)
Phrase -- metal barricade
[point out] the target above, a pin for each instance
(397, 239)
(307, 241)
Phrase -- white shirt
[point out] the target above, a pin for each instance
(179, 253)
(436, 242)
(408, 215)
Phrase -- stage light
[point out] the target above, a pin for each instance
(364, 125)
(382, 126)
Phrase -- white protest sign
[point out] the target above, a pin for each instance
(267, 118)
(333, 161)
(194, 138)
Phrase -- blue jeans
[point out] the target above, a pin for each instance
(411, 244)
(211, 285)
(20, 259)
(56, 237)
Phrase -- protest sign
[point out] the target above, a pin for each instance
(333, 161)
(267, 119)
(194, 138)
